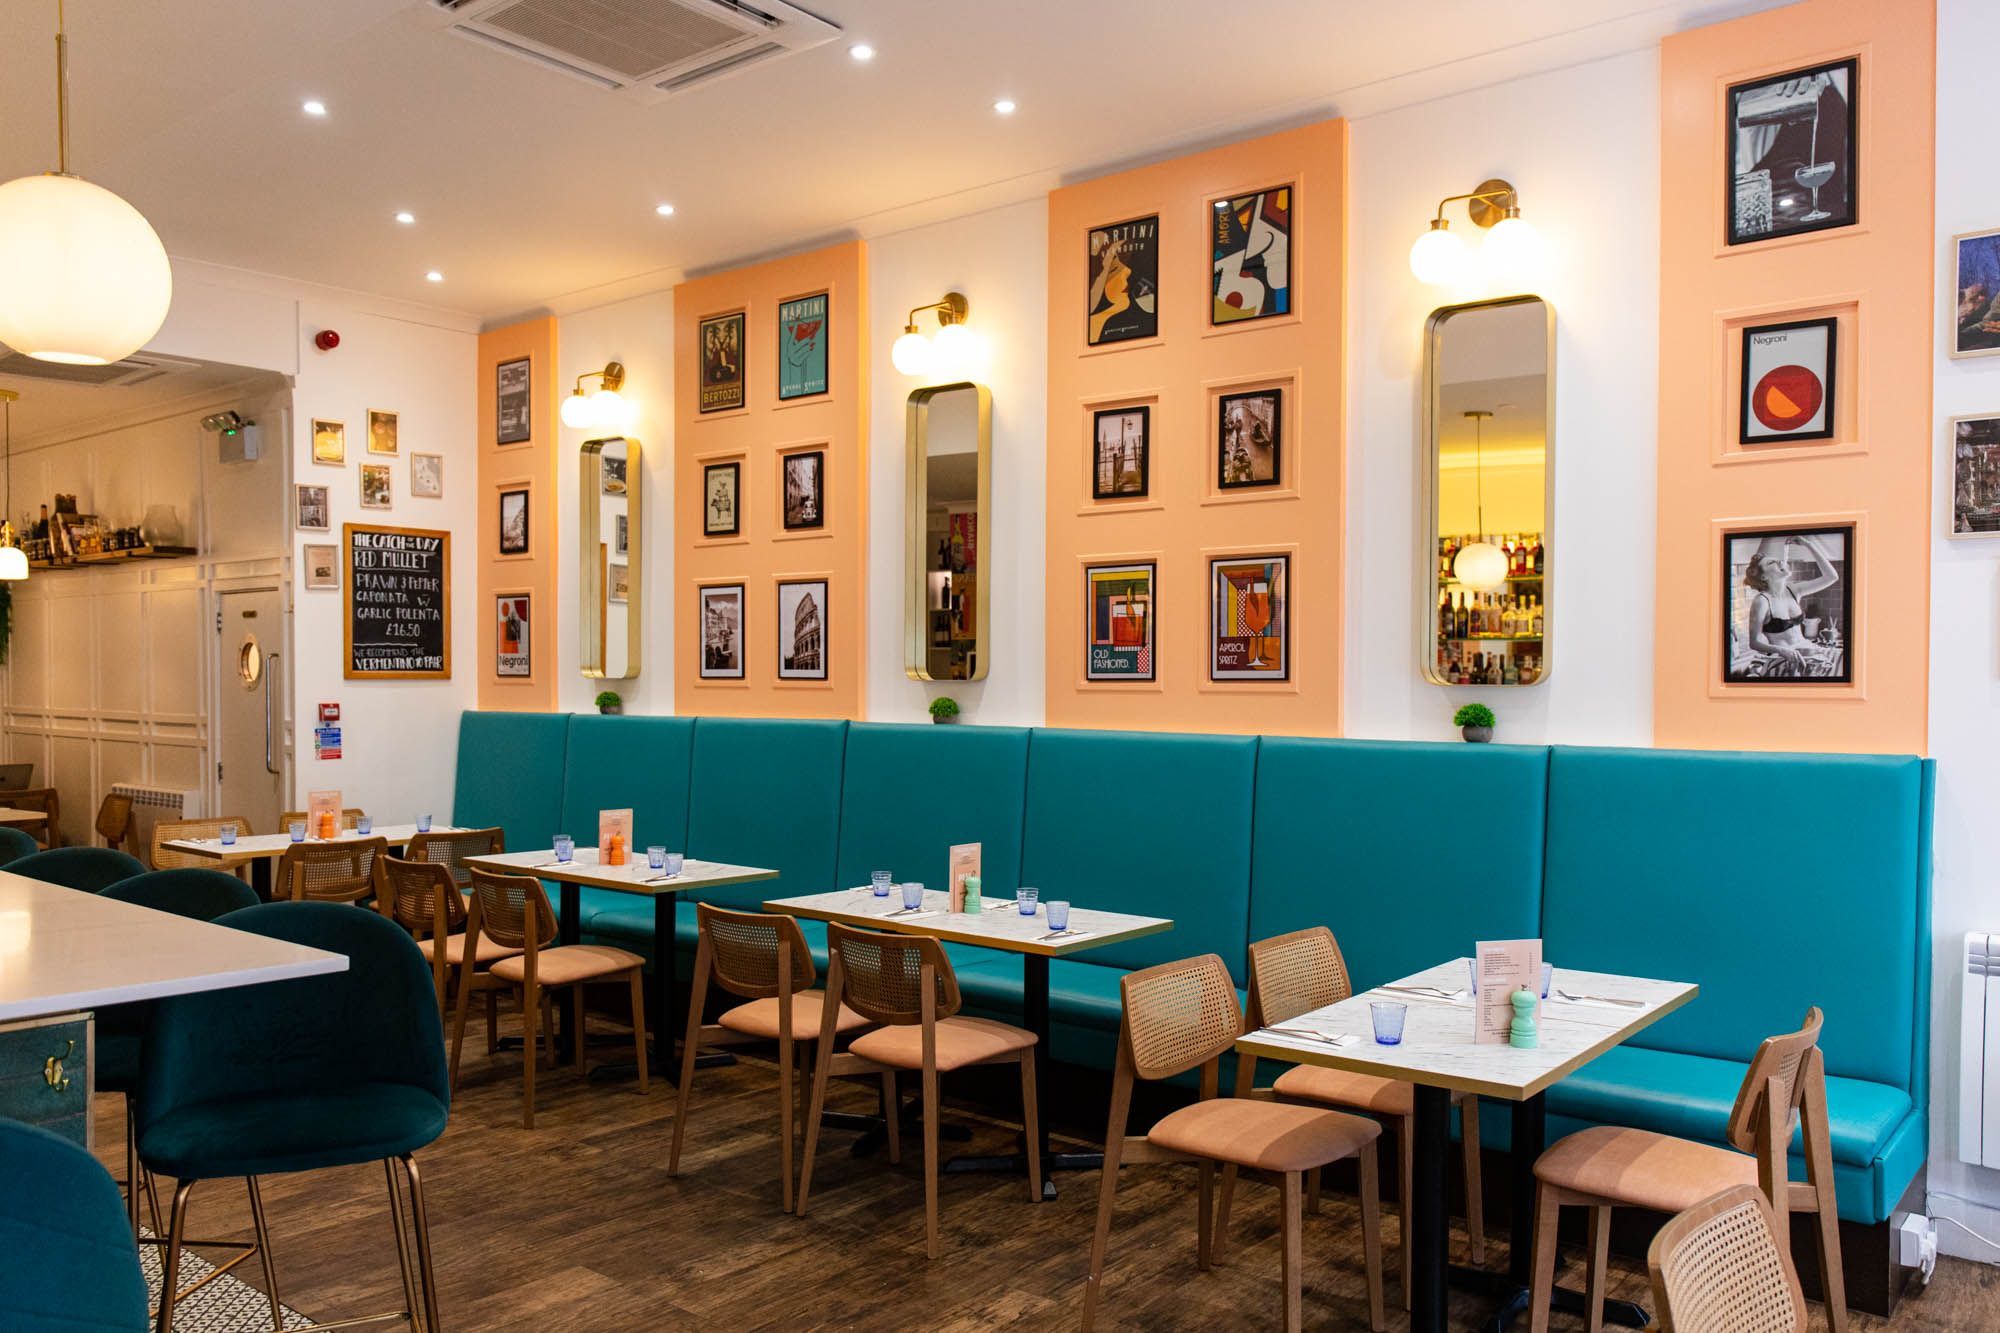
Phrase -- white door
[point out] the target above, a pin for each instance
(250, 718)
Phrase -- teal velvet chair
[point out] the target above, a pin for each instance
(85, 868)
(15, 844)
(67, 1262)
(301, 1075)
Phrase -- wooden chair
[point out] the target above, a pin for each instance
(45, 800)
(423, 898)
(1605, 1166)
(1181, 1016)
(449, 848)
(763, 959)
(114, 819)
(350, 817)
(906, 984)
(1294, 974)
(333, 872)
(1721, 1267)
(173, 830)
(514, 911)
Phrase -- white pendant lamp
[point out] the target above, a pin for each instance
(1480, 566)
(83, 278)
(13, 560)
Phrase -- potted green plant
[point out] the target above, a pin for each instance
(944, 709)
(1474, 722)
(608, 701)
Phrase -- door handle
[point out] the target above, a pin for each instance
(270, 725)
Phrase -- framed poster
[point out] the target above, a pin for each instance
(377, 491)
(381, 432)
(621, 536)
(513, 653)
(1975, 476)
(514, 522)
(1787, 605)
(720, 484)
(1249, 618)
(1121, 457)
(1118, 632)
(617, 582)
(398, 621)
(1124, 266)
(427, 476)
(512, 422)
(721, 609)
(322, 566)
(720, 340)
(1790, 163)
(1249, 429)
(312, 509)
(1976, 280)
(802, 339)
(1251, 247)
(329, 442)
(802, 629)
(805, 489)
(1787, 382)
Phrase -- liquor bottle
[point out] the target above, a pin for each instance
(1535, 620)
(1445, 618)
(1535, 560)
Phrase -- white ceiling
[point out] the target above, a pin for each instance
(534, 190)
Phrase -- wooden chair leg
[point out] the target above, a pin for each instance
(581, 1043)
(531, 1012)
(1406, 1168)
(787, 1121)
(1031, 1113)
(1832, 1279)
(690, 1046)
(1475, 1194)
(1204, 1214)
(638, 1024)
(458, 1026)
(1371, 1229)
(818, 1108)
(892, 1116)
(1312, 1190)
(1291, 1222)
(548, 1052)
(492, 1022)
(1600, 1268)
(1219, 1246)
(931, 1161)
(1107, 1195)
(1548, 1210)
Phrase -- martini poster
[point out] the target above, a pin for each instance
(802, 347)
(1124, 281)
(1788, 382)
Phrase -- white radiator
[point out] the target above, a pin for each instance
(1979, 1052)
(150, 805)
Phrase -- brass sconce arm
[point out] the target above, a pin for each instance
(953, 309)
(1492, 201)
(612, 376)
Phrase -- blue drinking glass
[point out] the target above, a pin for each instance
(1025, 899)
(1472, 966)
(674, 863)
(565, 847)
(913, 897)
(298, 830)
(879, 881)
(227, 835)
(1058, 911)
(1388, 1016)
(423, 823)
(656, 858)
(364, 825)
(1548, 975)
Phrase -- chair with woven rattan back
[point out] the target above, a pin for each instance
(350, 817)
(762, 959)
(342, 871)
(423, 898)
(451, 847)
(192, 830)
(905, 983)
(1292, 975)
(1605, 1167)
(44, 799)
(114, 819)
(1723, 1267)
(513, 911)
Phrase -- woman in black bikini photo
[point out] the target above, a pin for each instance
(1781, 638)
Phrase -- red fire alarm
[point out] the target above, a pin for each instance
(326, 340)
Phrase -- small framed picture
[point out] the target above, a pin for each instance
(1790, 166)
(802, 629)
(381, 432)
(1124, 274)
(802, 339)
(1787, 605)
(721, 342)
(1787, 382)
(514, 522)
(1118, 627)
(1121, 465)
(721, 631)
(1249, 430)
(322, 566)
(330, 442)
(512, 423)
(612, 470)
(312, 515)
(720, 483)
(512, 652)
(1249, 618)
(1976, 280)
(376, 490)
(1975, 476)
(1251, 245)
(805, 489)
(427, 476)
(621, 536)
(617, 581)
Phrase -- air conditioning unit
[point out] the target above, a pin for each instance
(645, 49)
(1979, 1052)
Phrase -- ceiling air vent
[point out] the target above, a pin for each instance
(647, 49)
(118, 375)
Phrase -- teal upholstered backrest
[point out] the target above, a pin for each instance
(910, 792)
(642, 762)
(510, 774)
(766, 792)
(1774, 881)
(1155, 824)
(1408, 852)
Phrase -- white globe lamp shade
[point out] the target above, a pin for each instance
(1439, 258)
(13, 564)
(953, 352)
(911, 354)
(577, 413)
(83, 278)
(1481, 566)
(1514, 255)
(609, 410)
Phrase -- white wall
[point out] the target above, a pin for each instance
(1582, 147)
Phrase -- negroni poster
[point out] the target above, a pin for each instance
(1124, 281)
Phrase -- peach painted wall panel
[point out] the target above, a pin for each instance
(531, 465)
(1875, 278)
(1185, 520)
(757, 435)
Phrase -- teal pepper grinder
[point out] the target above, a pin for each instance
(972, 894)
(1522, 1031)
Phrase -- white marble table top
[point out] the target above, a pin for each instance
(1438, 1049)
(63, 950)
(635, 876)
(999, 925)
(271, 846)
(12, 815)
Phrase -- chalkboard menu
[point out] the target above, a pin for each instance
(398, 602)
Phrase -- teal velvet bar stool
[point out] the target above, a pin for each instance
(301, 1075)
(67, 1263)
(15, 844)
(85, 868)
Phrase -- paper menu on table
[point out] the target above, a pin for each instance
(323, 814)
(1505, 966)
(964, 861)
(614, 824)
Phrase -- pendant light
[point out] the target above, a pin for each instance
(1480, 566)
(83, 278)
(13, 560)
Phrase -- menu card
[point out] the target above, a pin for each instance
(964, 861)
(1505, 966)
(323, 814)
(614, 837)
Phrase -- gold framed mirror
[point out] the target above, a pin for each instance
(947, 498)
(1485, 540)
(610, 561)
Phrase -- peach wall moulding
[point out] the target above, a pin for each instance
(1791, 166)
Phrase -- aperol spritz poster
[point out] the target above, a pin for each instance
(1250, 618)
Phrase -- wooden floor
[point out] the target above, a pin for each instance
(577, 1226)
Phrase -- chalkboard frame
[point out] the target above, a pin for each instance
(347, 531)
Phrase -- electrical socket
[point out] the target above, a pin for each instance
(1916, 1243)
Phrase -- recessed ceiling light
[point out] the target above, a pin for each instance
(664, 210)
(406, 218)
(313, 107)
(1005, 106)
(861, 51)
(433, 276)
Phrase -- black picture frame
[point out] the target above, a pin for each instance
(1829, 401)
(1131, 312)
(507, 545)
(1098, 490)
(513, 414)
(712, 667)
(808, 515)
(1741, 191)
(710, 527)
(720, 384)
(810, 664)
(1754, 668)
(1223, 404)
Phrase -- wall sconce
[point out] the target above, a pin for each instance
(1511, 255)
(915, 354)
(604, 409)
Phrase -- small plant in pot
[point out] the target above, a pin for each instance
(944, 709)
(609, 701)
(1474, 722)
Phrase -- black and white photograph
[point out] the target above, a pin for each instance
(513, 424)
(621, 538)
(1121, 460)
(322, 566)
(513, 522)
(427, 476)
(805, 490)
(613, 471)
(1248, 431)
(1788, 603)
(721, 631)
(1791, 167)
(720, 483)
(1787, 382)
(1975, 475)
(802, 628)
(312, 509)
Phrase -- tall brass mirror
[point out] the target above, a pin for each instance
(1485, 616)
(610, 559)
(950, 429)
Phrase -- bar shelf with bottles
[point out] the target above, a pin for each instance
(1491, 635)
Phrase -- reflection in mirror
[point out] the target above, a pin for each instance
(609, 559)
(950, 445)
(1489, 372)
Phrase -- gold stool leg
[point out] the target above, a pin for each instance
(410, 1305)
(170, 1269)
(423, 1229)
(264, 1254)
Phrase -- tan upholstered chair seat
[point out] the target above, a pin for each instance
(759, 1018)
(961, 1041)
(1340, 1087)
(1643, 1169)
(488, 950)
(569, 964)
(1265, 1136)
